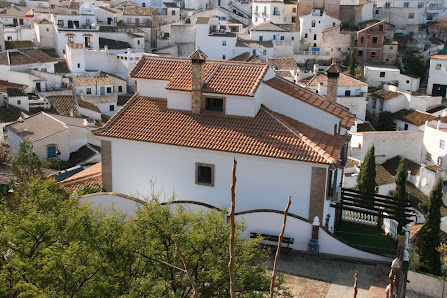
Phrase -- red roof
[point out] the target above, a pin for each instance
(268, 134)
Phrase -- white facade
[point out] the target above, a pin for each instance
(311, 26)
(437, 76)
(434, 144)
(276, 12)
(388, 74)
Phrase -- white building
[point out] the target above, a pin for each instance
(375, 75)
(278, 12)
(351, 93)
(98, 91)
(49, 133)
(404, 14)
(434, 144)
(437, 82)
(412, 119)
(312, 25)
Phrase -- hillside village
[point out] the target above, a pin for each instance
(140, 97)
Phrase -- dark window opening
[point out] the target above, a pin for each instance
(214, 104)
(347, 92)
(374, 39)
(205, 174)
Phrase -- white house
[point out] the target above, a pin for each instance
(278, 12)
(389, 74)
(351, 93)
(49, 133)
(434, 144)
(437, 83)
(195, 129)
(98, 91)
(18, 98)
(412, 119)
(311, 26)
(405, 14)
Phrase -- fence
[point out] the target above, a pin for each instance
(389, 227)
(359, 217)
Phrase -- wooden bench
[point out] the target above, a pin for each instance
(272, 238)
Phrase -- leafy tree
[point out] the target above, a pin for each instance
(352, 64)
(50, 245)
(400, 195)
(386, 121)
(429, 240)
(366, 179)
(26, 164)
(416, 64)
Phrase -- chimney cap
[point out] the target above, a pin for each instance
(334, 68)
(198, 55)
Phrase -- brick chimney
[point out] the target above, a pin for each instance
(198, 79)
(333, 72)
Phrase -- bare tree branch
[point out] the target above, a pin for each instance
(356, 281)
(272, 285)
(233, 227)
(194, 286)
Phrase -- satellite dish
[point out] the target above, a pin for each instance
(424, 182)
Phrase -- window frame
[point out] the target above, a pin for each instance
(108, 90)
(207, 165)
(384, 74)
(214, 111)
(439, 161)
(442, 144)
(55, 150)
(427, 156)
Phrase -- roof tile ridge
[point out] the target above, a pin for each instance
(313, 78)
(49, 115)
(79, 179)
(117, 114)
(299, 135)
(212, 75)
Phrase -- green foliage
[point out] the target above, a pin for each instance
(89, 189)
(416, 64)
(400, 195)
(352, 64)
(26, 165)
(429, 240)
(366, 179)
(54, 164)
(386, 121)
(50, 245)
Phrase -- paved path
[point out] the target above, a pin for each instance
(326, 277)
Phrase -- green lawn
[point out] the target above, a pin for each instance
(367, 238)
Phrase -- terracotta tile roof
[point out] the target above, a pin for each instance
(91, 181)
(267, 26)
(109, 9)
(74, 5)
(311, 98)
(16, 11)
(4, 85)
(267, 134)
(286, 63)
(392, 164)
(439, 57)
(247, 57)
(61, 67)
(75, 45)
(435, 168)
(127, 3)
(64, 104)
(92, 81)
(222, 77)
(156, 68)
(245, 43)
(386, 94)
(198, 55)
(289, 27)
(9, 114)
(24, 56)
(90, 171)
(350, 163)
(414, 117)
(19, 44)
(334, 68)
(343, 80)
(16, 92)
(383, 177)
(37, 127)
(88, 106)
(139, 11)
(44, 22)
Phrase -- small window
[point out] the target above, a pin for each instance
(79, 65)
(407, 81)
(377, 11)
(21, 21)
(109, 89)
(362, 39)
(380, 27)
(214, 104)
(315, 37)
(70, 39)
(264, 52)
(282, 37)
(89, 90)
(293, 38)
(143, 5)
(294, 9)
(18, 102)
(388, 4)
(138, 41)
(360, 53)
(374, 39)
(173, 13)
(420, 4)
(51, 151)
(224, 43)
(347, 92)
(391, 47)
(120, 89)
(406, 4)
(313, 23)
(438, 66)
(382, 74)
(373, 54)
(373, 103)
(381, 105)
(293, 19)
(260, 38)
(442, 144)
(428, 156)
(223, 57)
(112, 108)
(204, 174)
(48, 29)
(305, 35)
(406, 126)
(411, 16)
(439, 163)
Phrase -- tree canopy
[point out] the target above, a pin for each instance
(429, 240)
(366, 179)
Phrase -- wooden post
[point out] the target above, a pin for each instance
(233, 227)
(194, 286)
(272, 285)
(356, 281)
